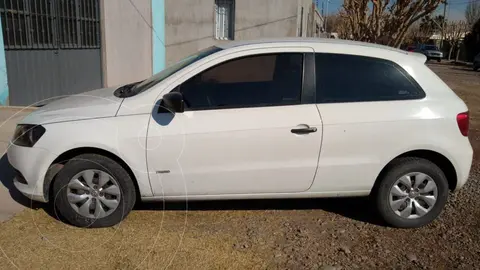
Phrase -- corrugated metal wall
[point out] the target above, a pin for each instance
(37, 75)
(52, 48)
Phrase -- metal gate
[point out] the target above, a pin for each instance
(52, 48)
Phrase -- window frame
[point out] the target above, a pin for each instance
(231, 25)
(319, 92)
(307, 89)
(52, 25)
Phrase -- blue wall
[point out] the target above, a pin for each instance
(3, 72)
(158, 35)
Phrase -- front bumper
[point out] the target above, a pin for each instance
(32, 164)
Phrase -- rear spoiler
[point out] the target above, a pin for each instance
(419, 56)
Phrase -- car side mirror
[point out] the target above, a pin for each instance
(172, 102)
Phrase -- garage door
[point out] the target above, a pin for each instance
(52, 48)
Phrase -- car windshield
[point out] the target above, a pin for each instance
(431, 47)
(136, 88)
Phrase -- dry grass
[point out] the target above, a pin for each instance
(146, 240)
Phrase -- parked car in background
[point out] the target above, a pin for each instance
(431, 52)
(476, 62)
(295, 118)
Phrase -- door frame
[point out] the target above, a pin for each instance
(308, 84)
(308, 93)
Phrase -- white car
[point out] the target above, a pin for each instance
(267, 119)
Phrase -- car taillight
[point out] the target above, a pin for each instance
(463, 122)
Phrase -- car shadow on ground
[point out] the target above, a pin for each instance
(464, 69)
(354, 208)
(358, 208)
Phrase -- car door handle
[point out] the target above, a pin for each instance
(304, 129)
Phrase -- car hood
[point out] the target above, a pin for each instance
(94, 104)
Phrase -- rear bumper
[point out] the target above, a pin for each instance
(463, 165)
(32, 165)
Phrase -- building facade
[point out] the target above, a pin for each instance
(194, 25)
(61, 47)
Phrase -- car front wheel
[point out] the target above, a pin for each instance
(93, 191)
(412, 193)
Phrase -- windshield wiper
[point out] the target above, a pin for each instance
(126, 90)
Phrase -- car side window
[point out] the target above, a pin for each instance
(351, 78)
(253, 81)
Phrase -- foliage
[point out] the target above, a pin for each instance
(472, 13)
(385, 21)
(421, 31)
(338, 24)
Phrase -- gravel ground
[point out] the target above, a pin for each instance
(272, 234)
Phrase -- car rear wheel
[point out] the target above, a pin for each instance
(93, 191)
(475, 68)
(412, 193)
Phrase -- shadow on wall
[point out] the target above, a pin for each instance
(236, 31)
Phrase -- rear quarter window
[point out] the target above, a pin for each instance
(351, 78)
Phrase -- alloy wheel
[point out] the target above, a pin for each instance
(413, 195)
(93, 193)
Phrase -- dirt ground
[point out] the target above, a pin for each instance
(271, 234)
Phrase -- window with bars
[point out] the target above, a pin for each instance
(224, 19)
(50, 24)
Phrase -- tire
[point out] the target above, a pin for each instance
(96, 163)
(475, 68)
(401, 167)
(439, 60)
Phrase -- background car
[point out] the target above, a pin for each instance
(268, 119)
(410, 48)
(431, 52)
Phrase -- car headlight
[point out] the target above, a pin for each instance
(27, 135)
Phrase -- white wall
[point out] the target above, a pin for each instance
(126, 41)
(190, 23)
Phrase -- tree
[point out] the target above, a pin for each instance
(472, 41)
(472, 13)
(334, 22)
(421, 31)
(337, 23)
(433, 24)
(454, 33)
(385, 21)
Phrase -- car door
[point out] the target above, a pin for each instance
(370, 108)
(249, 127)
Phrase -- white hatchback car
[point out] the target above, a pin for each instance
(267, 119)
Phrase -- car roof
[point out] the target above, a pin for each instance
(307, 41)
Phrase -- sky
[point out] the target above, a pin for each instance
(455, 8)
